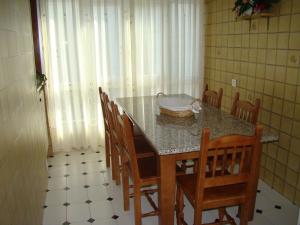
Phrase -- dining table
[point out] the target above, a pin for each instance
(176, 139)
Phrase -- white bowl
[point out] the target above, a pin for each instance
(175, 103)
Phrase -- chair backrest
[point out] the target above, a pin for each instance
(212, 98)
(129, 151)
(104, 101)
(112, 122)
(233, 160)
(245, 110)
(118, 127)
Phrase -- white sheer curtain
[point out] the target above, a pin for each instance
(128, 47)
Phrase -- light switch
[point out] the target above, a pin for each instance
(233, 82)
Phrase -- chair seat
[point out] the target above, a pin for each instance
(143, 148)
(148, 167)
(137, 131)
(149, 172)
(215, 196)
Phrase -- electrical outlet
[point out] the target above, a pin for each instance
(233, 82)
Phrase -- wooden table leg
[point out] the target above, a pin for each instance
(167, 188)
(254, 184)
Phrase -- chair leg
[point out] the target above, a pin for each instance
(125, 181)
(197, 215)
(183, 165)
(113, 160)
(137, 205)
(244, 214)
(195, 168)
(221, 214)
(107, 150)
(118, 170)
(179, 205)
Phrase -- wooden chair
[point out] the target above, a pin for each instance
(232, 183)
(212, 98)
(143, 148)
(142, 171)
(245, 110)
(106, 127)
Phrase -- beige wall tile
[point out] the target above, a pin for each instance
(285, 7)
(280, 170)
(296, 129)
(283, 41)
(268, 177)
(273, 24)
(288, 109)
(262, 41)
(295, 22)
(286, 125)
(270, 72)
(298, 94)
(290, 92)
(297, 112)
(297, 197)
(281, 57)
(265, 116)
(291, 75)
(289, 192)
(296, 6)
(272, 40)
(284, 141)
(280, 73)
(277, 105)
(262, 25)
(294, 42)
(270, 164)
(275, 120)
(295, 143)
(267, 102)
(252, 55)
(259, 85)
(264, 56)
(291, 177)
(284, 23)
(260, 70)
(278, 184)
(245, 55)
(269, 87)
(271, 57)
(254, 26)
(298, 184)
(261, 56)
(271, 151)
(245, 40)
(279, 90)
(294, 161)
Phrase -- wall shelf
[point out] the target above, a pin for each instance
(255, 16)
(266, 15)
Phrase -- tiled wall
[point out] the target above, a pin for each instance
(264, 56)
(23, 140)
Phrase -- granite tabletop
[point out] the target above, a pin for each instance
(170, 135)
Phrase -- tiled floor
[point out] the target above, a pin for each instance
(81, 192)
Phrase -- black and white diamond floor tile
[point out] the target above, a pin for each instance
(91, 197)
